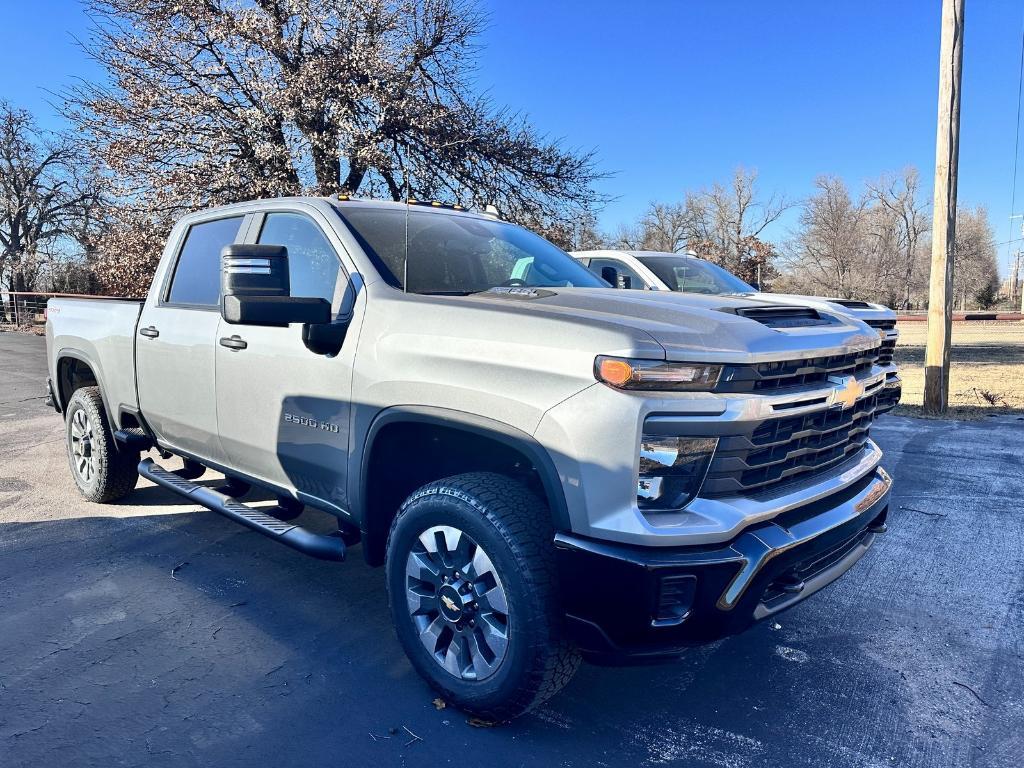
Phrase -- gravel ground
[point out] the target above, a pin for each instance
(154, 633)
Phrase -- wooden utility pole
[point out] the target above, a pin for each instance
(947, 151)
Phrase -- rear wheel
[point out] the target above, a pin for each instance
(473, 592)
(101, 471)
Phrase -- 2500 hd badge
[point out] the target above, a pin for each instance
(305, 421)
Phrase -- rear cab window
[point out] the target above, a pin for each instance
(196, 280)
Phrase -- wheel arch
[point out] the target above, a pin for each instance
(75, 370)
(481, 443)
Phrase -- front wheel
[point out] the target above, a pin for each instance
(472, 586)
(101, 471)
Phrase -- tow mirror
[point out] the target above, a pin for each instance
(617, 279)
(254, 270)
(255, 289)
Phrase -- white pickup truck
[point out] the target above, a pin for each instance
(686, 273)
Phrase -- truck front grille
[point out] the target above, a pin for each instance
(766, 378)
(888, 347)
(781, 451)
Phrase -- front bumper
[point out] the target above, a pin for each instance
(624, 601)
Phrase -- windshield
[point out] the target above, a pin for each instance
(689, 275)
(453, 254)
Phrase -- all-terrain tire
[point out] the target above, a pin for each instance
(101, 470)
(513, 527)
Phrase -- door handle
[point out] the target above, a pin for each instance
(150, 333)
(233, 342)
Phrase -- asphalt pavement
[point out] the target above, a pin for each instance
(156, 633)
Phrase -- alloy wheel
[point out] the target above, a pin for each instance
(457, 603)
(82, 440)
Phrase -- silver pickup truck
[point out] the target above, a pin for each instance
(548, 468)
(686, 273)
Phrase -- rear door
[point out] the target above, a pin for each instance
(283, 411)
(177, 337)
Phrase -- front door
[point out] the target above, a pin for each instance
(175, 359)
(283, 411)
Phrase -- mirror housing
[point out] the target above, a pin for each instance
(279, 311)
(255, 288)
(254, 270)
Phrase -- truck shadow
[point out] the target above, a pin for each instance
(210, 644)
(158, 496)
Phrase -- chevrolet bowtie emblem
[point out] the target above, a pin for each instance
(449, 603)
(847, 392)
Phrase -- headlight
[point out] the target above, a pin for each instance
(672, 470)
(623, 373)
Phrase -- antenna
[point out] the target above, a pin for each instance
(405, 262)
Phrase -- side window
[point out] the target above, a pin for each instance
(312, 262)
(197, 274)
(636, 282)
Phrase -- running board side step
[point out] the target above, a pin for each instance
(318, 545)
(133, 438)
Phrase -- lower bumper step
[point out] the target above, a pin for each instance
(318, 545)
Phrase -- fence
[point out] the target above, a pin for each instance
(922, 316)
(19, 309)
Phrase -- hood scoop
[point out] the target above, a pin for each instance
(785, 317)
(852, 303)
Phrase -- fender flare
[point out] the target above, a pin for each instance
(70, 352)
(481, 426)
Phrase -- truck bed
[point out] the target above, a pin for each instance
(100, 333)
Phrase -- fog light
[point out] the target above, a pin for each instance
(672, 470)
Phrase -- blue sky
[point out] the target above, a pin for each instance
(675, 95)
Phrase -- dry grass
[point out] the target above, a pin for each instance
(986, 368)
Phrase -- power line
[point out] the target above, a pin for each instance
(1016, 138)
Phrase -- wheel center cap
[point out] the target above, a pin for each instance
(450, 602)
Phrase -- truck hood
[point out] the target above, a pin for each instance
(688, 326)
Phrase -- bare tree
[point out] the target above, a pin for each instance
(628, 237)
(212, 102)
(724, 224)
(667, 227)
(898, 226)
(585, 235)
(730, 219)
(829, 250)
(37, 195)
(975, 269)
(869, 247)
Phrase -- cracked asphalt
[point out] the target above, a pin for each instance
(155, 633)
